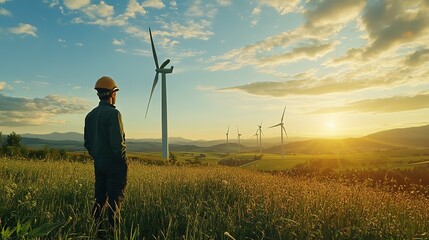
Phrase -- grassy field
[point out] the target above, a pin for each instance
(401, 159)
(53, 200)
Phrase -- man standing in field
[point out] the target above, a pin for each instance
(105, 141)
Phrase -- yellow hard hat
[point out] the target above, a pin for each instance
(106, 83)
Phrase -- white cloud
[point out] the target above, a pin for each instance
(198, 9)
(24, 28)
(282, 6)
(137, 32)
(250, 55)
(153, 4)
(224, 2)
(389, 26)
(191, 29)
(120, 50)
(61, 40)
(134, 8)
(108, 22)
(102, 10)
(52, 3)
(79, 44)
(334, 12)
(76, 4)
(173, 4)
(5, 12)
(256, 11)
(418, 57)
(311, 52)
(118, 42)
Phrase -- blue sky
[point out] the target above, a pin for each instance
(342, 67)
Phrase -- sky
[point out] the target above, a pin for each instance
(342, 68)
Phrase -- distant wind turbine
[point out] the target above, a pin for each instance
(227, 139)
(282, 129)
(227, 134)
(239, 140)
(257, 137)
(164, 71)
(260, 138)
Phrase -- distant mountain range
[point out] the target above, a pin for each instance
(415, 137)
(74, 136)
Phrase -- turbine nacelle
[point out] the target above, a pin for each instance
(164, 70)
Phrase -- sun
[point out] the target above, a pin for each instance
(330, 124)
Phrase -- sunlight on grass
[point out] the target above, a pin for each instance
(171, 202)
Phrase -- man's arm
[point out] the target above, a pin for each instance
(117, 138)
(86, 136)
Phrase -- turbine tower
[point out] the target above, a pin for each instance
(227, 134)
(239, 140)
(260, 138)
(164, 71)
(257, 138)
(227, 140)
(282, 129)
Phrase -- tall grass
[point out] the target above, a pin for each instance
(206, 203)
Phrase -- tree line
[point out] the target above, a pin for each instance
(11, 147)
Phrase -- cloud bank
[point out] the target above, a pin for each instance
(17, 111)
(382, 105)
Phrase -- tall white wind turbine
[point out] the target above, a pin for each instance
(282, 129)
(164, 71)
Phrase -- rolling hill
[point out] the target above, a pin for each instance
(405, 137)
(415, 137)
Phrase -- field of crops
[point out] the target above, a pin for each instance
(52, 199)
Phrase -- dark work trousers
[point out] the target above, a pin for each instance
(110, 183)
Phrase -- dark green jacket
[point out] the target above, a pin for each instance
(104, 133)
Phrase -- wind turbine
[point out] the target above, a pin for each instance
(239, 140)
(257, 139)
(164, 71)
(282, 129)
(227, 139)
(227, 134)
(260, 138)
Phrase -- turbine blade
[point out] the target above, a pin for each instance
(275, 125)
(155, 81)
(283, 114)
(165, 63)
(153, 50)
